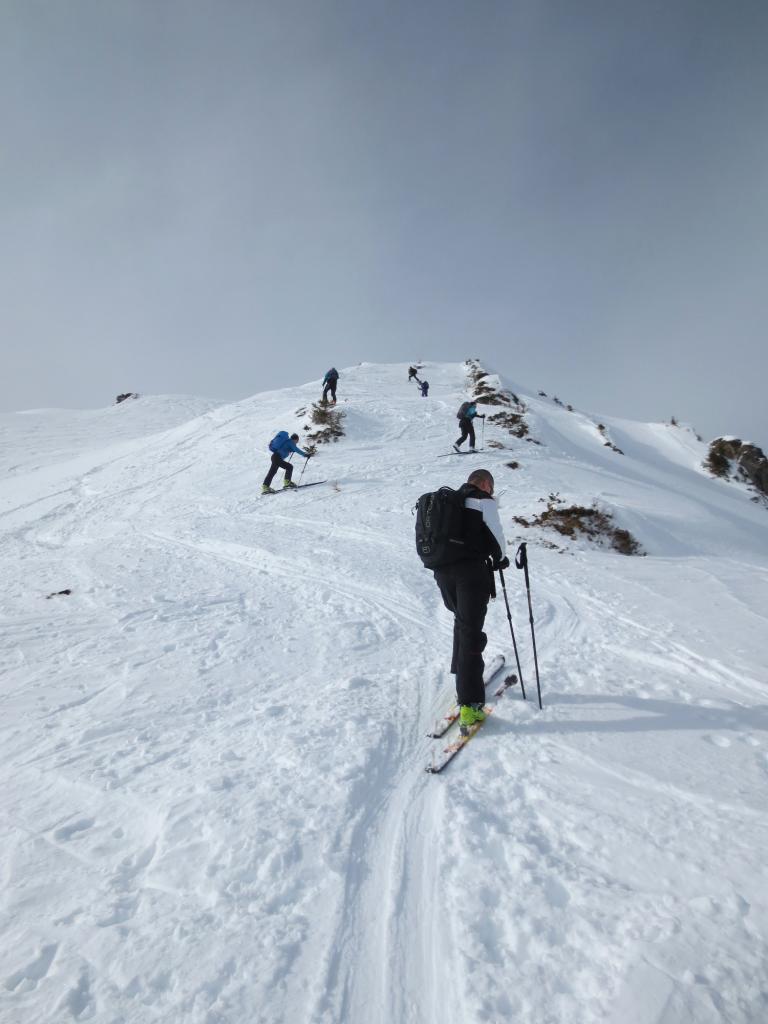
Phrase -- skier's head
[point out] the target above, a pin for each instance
(294, 437)
(481, 479)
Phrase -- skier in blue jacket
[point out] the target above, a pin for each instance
(281, 447)
(465, 415)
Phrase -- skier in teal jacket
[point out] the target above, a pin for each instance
(465, 415)
(330, 380)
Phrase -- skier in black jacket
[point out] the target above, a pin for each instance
(466, 587)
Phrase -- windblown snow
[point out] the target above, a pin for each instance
(214, 802)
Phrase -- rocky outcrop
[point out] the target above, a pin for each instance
(733, 459)
(122, 398)
(511, 418)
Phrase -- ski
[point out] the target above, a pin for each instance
(298, 487)
(442, 725)
(448, 753)
(445, 455)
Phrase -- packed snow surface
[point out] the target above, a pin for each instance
(214, 803)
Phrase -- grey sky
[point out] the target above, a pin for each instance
(219, 197)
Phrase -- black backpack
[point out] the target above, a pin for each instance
(463, 410)
(440, 527)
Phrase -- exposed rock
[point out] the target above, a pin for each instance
(733, 459)
(486, 393)
(607, 441)
(122, 398)
(754, 465)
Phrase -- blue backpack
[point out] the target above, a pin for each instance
(278, 441)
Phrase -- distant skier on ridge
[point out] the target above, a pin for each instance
(467, 412)
(330, 380)
(424, 388)
(281, 447)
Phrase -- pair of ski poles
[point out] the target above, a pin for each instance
(521, 562)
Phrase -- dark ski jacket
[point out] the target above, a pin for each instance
(333, 374)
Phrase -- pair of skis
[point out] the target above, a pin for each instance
(466, 733)
(298, 487)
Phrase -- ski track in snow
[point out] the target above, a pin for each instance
(214, 801)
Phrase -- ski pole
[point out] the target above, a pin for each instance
(482, 443)
(512, 631)
(301, 474)
(521, 561)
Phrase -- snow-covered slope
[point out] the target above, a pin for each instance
(214, 807)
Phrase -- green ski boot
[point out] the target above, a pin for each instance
(471, 713)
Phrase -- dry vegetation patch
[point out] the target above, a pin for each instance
(576, 521)
(329, 422)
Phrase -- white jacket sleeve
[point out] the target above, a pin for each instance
(490, 513)
(493, 522)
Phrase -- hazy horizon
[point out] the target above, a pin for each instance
(222, 199)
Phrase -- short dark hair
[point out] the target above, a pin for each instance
(480, 476)
(294, 437)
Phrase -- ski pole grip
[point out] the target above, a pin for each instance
(521, 561)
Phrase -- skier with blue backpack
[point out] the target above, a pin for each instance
(282, 446)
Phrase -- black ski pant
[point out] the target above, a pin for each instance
(278, 463)
(330, 386)
(467, 431)
(466, 589)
